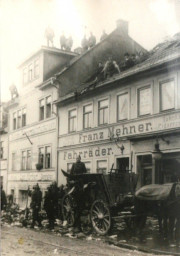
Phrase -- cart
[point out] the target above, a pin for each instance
(103, 196)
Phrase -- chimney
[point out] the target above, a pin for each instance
(122, 25)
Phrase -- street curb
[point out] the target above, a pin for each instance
(144, 249)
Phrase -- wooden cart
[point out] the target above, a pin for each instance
(104, 196)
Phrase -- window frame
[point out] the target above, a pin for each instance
(99, 101)
(1, 150)
(15, 120)
(26, 167)
(161, 82)
(118, 110)
(45, 116)
(44, 147)
(25, 76)
(87, 113)
(16, 117)
(101, 159)
(13, 167)
(35, 66)
(30, 71)
(148, 86)
(70, 118)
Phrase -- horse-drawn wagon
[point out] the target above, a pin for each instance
(103, 196)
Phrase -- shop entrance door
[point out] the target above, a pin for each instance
(122, 163)
(144, 169)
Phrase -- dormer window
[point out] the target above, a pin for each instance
(36, 68)
(25, 76)
(30, 72)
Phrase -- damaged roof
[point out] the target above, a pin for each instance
(162, 53)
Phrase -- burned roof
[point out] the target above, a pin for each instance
(162, 53)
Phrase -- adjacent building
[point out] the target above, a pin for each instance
(32, 125)
(3, 145)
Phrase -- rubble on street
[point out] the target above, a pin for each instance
(120, 235)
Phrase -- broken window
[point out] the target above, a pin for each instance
(123, 106)
(167, 95)
(144, 101)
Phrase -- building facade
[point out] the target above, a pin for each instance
(130, 121)
(3, 145)
(32, 125)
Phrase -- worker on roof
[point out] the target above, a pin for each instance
(84, 43)
(103, 36)
(92, 40)
(110, 67)
(69, 43)
(63, 41)
(49, 34)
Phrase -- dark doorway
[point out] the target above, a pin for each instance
(170, 167)
(144, 168)
(122, 163)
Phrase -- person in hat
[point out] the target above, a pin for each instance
(78, 167)
(92, 40)
(110, 68)
(36, 200)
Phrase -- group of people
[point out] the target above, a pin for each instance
(52, 204)
(67, 43)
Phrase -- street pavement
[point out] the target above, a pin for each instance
(16, 241)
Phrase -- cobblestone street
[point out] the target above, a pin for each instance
(23, 242)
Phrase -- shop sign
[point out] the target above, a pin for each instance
(37, 129)
(32, 177)
(152, 124)
(88, 153)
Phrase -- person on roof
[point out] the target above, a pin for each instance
(69, 43)
(128, 60)
(110, 67)
(49, 34)
(63, 41)
(78, 167)
(92, 40)
(84, 43)
(103, 36)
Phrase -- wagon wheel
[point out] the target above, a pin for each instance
(100, 217)
(67, 210)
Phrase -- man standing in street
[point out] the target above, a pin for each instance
(36, 199)
(3, 199)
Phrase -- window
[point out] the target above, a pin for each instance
(88, 166)
(45, 107)
(19, 121)
(41, 156)
(48, 106)
(23, 117)
(13, 161)
(69, 165)
(87, 116)
(26, 160)
(123, 106)
(167, 95)
(48, 157)
(72, 120)
(144, 101)
(30, 72)
(14, 120)
(1, 150)
(103, 112)
(102, 166)
(42, 109)
(23, 160)
(36, 68)
(45, 156)
(25, 76)
(29, 167)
